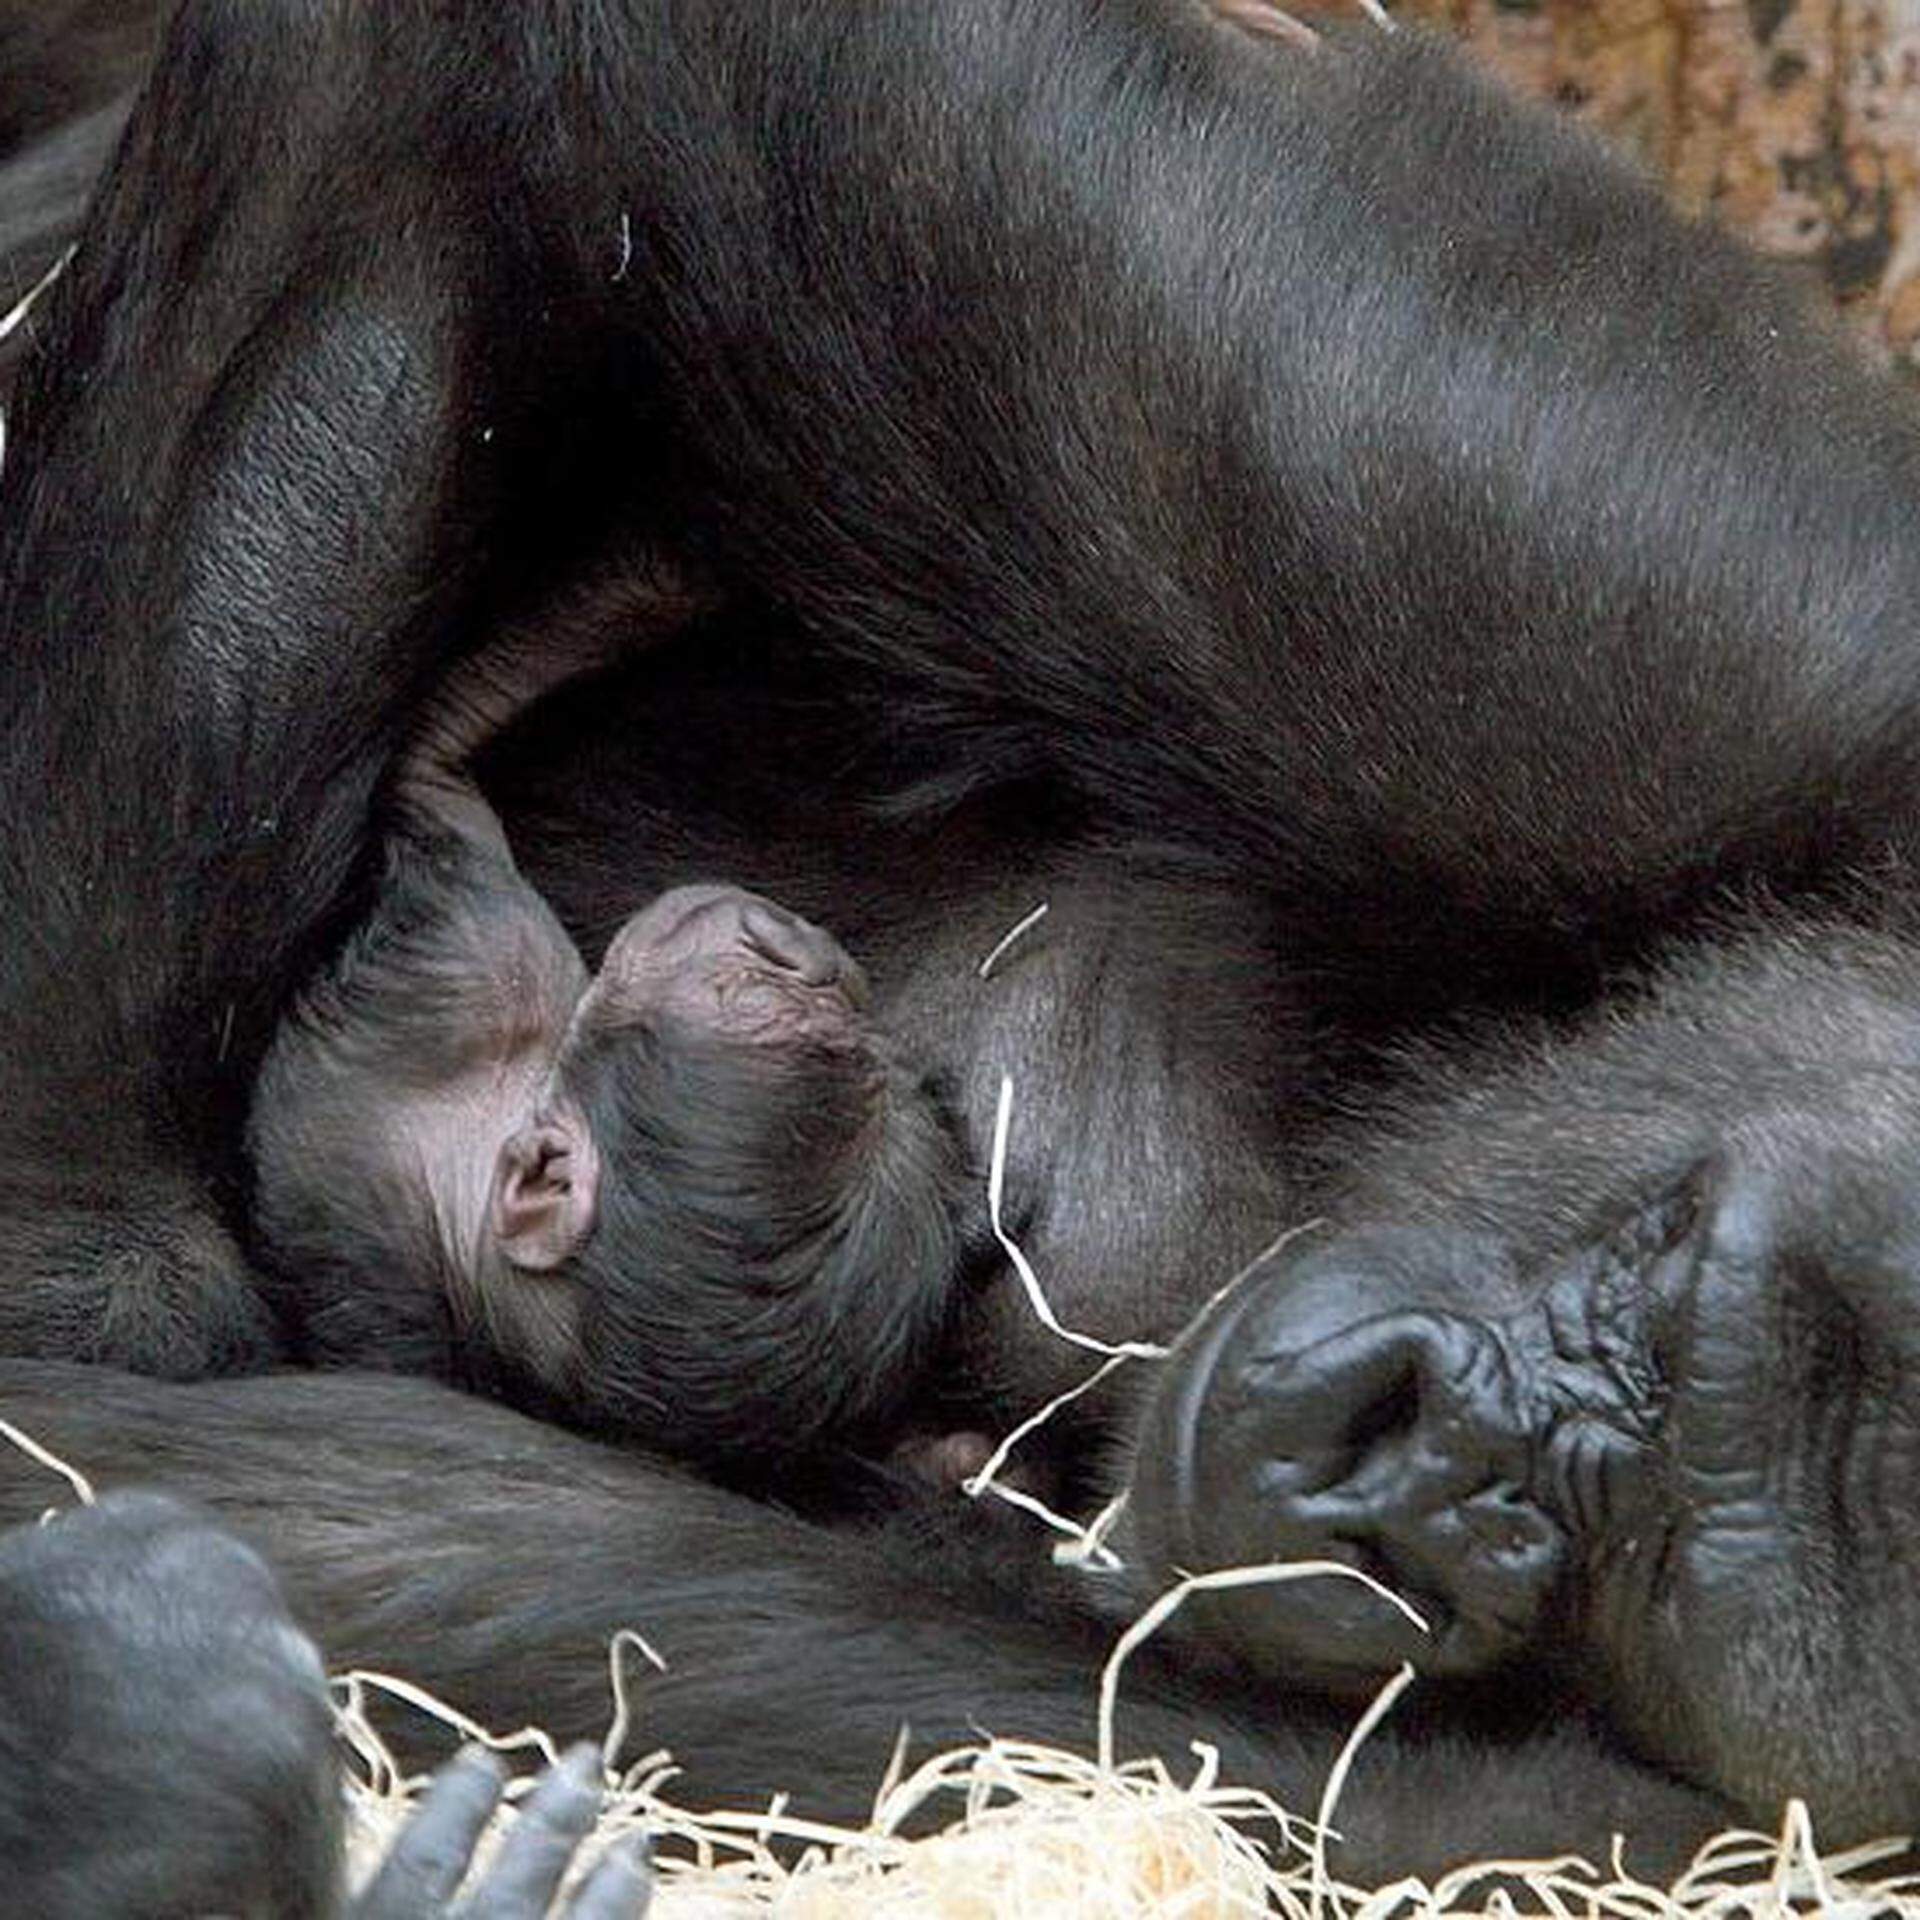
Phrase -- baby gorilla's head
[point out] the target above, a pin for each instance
(697, 1199)
(749, 1198)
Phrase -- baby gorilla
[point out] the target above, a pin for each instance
(696, 1197)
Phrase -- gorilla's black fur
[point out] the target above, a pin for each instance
(1440, 632)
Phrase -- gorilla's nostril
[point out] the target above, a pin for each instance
(1511, 1531)
(1392, 1407)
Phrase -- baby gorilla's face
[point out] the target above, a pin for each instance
(736, 1204)
(711, 996)
(698, 1197)
(729, 963)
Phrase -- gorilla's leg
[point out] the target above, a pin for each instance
(166, 1746)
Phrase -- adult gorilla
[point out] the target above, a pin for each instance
(1231, 502)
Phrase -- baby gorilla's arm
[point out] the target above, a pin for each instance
(484, 696)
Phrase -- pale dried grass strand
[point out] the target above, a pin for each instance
(1013, 935)
(357, 1680)
(27, 1444)
(16, 315)
(1357, 1737)
(1277, 1573)
(1183, 1850)
(1029, 1280)
(1092, 1541)
(628, 1639)
(1092, 1548)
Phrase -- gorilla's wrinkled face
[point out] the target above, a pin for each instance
(1679, 1465)
(1756, 1619)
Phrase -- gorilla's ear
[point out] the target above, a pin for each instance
(545, 1188)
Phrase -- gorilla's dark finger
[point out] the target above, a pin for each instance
(430, 1858)
(620, 1887)
(536, 1854)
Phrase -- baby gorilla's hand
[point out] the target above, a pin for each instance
(782, 939)
(710, 952)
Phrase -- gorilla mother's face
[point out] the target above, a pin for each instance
(1679, 1466)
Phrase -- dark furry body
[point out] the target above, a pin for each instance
(502, 1555)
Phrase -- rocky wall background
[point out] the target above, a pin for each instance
(1795, 121)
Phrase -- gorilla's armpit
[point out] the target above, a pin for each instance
(1302, 490)
(698, 1197)
(166, 1746)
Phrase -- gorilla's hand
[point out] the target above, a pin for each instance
(419, 1878)
(165, 1737)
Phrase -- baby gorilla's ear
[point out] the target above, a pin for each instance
(545, 1189)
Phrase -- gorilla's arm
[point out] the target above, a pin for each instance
(222, 609)
(1210, 432)
(1489, 603)
(212, 618)
(492, 1558)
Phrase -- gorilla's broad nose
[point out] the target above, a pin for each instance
(1396, 1443)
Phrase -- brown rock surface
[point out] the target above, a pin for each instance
(1797, 122)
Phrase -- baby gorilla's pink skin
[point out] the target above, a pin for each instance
(729, 960)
